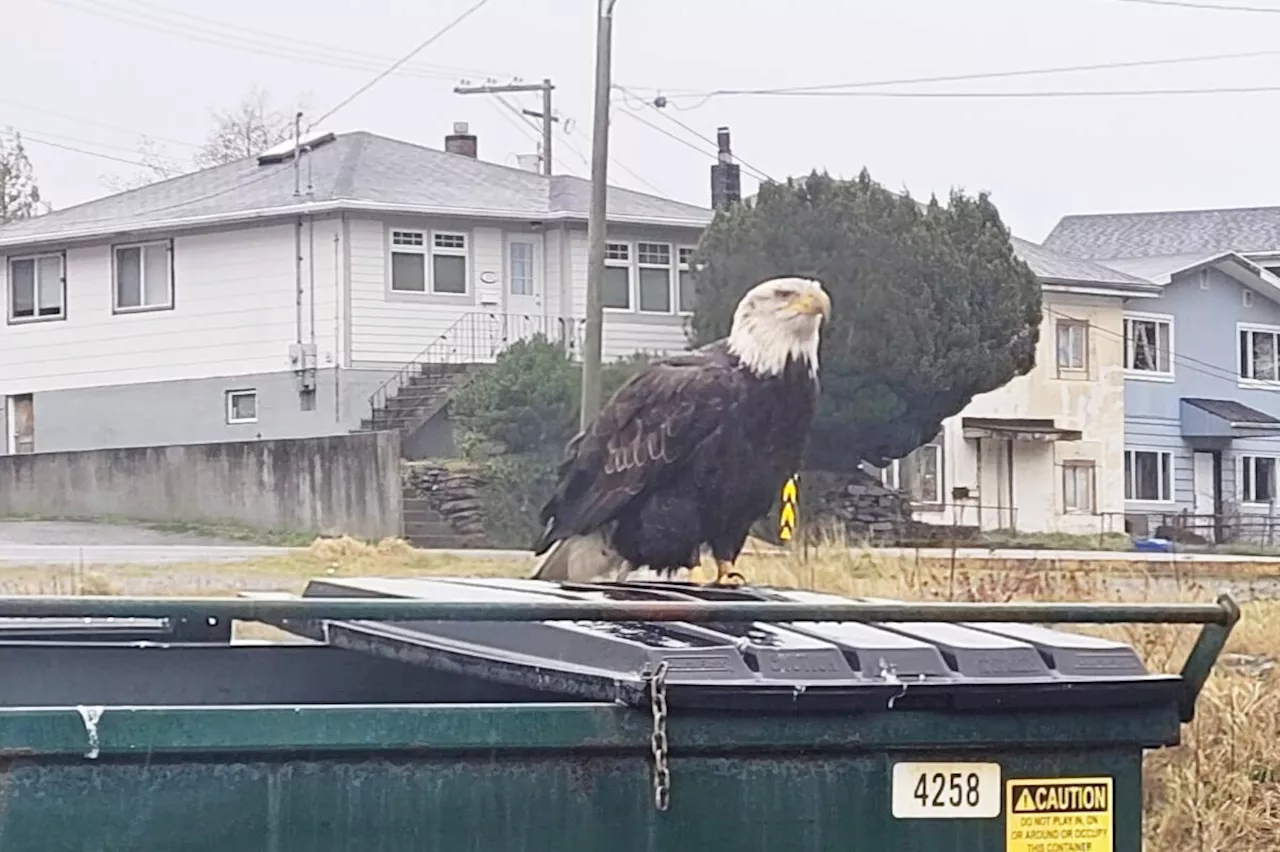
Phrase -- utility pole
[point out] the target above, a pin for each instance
(547, 118)
(596, 221)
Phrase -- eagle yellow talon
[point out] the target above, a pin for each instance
(726, 576)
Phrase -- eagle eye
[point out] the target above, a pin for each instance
(786, 294)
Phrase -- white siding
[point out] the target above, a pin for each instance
(627, 332)
(234, 313)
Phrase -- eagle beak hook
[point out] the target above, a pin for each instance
(814, 303)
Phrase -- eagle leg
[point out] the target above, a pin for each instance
(724, 570)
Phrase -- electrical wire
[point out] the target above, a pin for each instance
(1030, 95)
(90, 121)
(684, 142)
(759, 174)
(1187, 4)
(422, 46)
(703, 96)
(330, 56)
(29, 137)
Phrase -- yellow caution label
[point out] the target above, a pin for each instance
(787, 517)
(1059, 815)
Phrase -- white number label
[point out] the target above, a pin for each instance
(946, 790)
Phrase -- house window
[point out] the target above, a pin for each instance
(36, 288)
(448, 267)
(1073, 345)
(242, 406)
(1259, 354)
(143, 277)
(919, 473)
(685, 281)
(449, 264)
(654, 260)
(1148, 475)
(520, 277)
(1148, 345)
(616, 289)
(1077, 486)
(1257, 479)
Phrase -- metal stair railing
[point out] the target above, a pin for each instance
(477, 337)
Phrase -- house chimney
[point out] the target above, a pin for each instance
(726, 183)
(460, 141)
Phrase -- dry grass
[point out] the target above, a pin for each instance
(1219, 790)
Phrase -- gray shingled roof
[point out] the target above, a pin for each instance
(1230, 410)
(1050, 266)
(1115, 235)
(356, 170)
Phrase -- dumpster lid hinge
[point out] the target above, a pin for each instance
(657, 683)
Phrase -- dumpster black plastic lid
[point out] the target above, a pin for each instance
(819, 665)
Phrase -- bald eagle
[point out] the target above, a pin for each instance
(693, 449)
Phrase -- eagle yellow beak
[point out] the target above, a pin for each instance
(813, 302)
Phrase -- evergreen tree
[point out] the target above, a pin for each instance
(930, 305)
(19, 192)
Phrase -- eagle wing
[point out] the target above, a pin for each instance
(646, 432)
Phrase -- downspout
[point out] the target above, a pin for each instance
(337, 329)
(981, 478)
(1013, 524)
(297, 264)
(311, 258)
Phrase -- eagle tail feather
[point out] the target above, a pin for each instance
(581, 559)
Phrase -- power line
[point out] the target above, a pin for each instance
(430, 40)
(1187, 4)
(1030, 95)
(762, 177)
(704, 96)
(759, 174)
(27, 137)
(330, 56)
(115, 127)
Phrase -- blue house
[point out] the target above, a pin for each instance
(1202, 365)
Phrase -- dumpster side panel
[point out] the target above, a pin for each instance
(485, 802)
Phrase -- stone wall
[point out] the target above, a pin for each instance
(867, 509)
(452, 488)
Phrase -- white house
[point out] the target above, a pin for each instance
(271, 297)
(1045, 452)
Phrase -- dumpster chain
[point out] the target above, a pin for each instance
(658, 742)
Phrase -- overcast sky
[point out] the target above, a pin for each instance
(94, 75)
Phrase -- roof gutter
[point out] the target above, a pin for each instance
(335, 206)
(1092, 288)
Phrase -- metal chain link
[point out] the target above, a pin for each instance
(658, 741)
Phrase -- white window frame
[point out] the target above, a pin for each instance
(891, 474)
(231, 395)
(669, 267)
(533, 273)
(683, 265)
(1068, 325)
(1148, 375)
(1091, 473)
(428, 248)
(142, 247)
(463, 251)
(1163, 486)
(1252, 329)
(629, 265)
(62, 287)
(1251, 499)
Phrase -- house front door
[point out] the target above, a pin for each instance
(524, 316)
(1205, 485)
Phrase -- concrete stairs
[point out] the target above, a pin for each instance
(419, 399)
(425, 527)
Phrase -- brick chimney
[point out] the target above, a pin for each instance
(461, 141)
(726, 183)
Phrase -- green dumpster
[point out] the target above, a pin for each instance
(507, 715)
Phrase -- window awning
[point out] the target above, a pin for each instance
(1225, 418)
(1017, 429)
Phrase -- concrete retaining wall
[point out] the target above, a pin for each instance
(333, 485)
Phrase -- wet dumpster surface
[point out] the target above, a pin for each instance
(532, 735)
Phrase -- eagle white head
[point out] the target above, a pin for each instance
(779, 319)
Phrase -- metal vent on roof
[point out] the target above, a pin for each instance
(283, 151)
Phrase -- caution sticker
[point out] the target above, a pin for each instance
(1059, 815)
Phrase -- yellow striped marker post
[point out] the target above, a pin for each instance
(788, 517)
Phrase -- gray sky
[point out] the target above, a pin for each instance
(147, 66)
